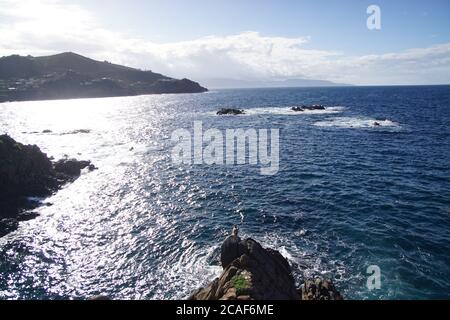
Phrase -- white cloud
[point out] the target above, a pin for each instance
(40, 27)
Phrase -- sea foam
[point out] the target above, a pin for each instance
(357, 122)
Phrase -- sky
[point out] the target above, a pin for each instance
(242, 39)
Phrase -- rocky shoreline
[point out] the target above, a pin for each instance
(26, 172)
(252, 272)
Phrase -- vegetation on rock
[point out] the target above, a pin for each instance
(252, 272)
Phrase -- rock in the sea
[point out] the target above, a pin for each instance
(310, 108)
(78, 131)
(25, 171)
(230, 111)
(316, 107)
(252, 272)
(72, 167)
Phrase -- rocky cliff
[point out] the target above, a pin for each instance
(252, 272)
(25, 171)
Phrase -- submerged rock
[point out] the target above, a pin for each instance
(25, 171)
(252, 272)
(230, 111)
(85, 131)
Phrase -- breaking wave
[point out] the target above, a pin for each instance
(357, 122)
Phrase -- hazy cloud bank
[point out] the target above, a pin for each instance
(50, 26)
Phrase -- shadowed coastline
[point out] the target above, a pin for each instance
(71, 76)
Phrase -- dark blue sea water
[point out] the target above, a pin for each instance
(348, 195)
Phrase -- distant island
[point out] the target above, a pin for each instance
(225, 83)
(70, 76)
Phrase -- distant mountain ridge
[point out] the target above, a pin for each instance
(226, 83)
(70, 75)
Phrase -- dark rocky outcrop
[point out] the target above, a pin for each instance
(25, 171)
(230, 111)
(69, 76)
(252, 272)
(232, 248)
(309, 108)
(72, 167)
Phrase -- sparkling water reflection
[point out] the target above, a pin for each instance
(348, 194)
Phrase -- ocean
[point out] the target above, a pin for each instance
(349, 194)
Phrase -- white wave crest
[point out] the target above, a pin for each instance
(357, 122)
